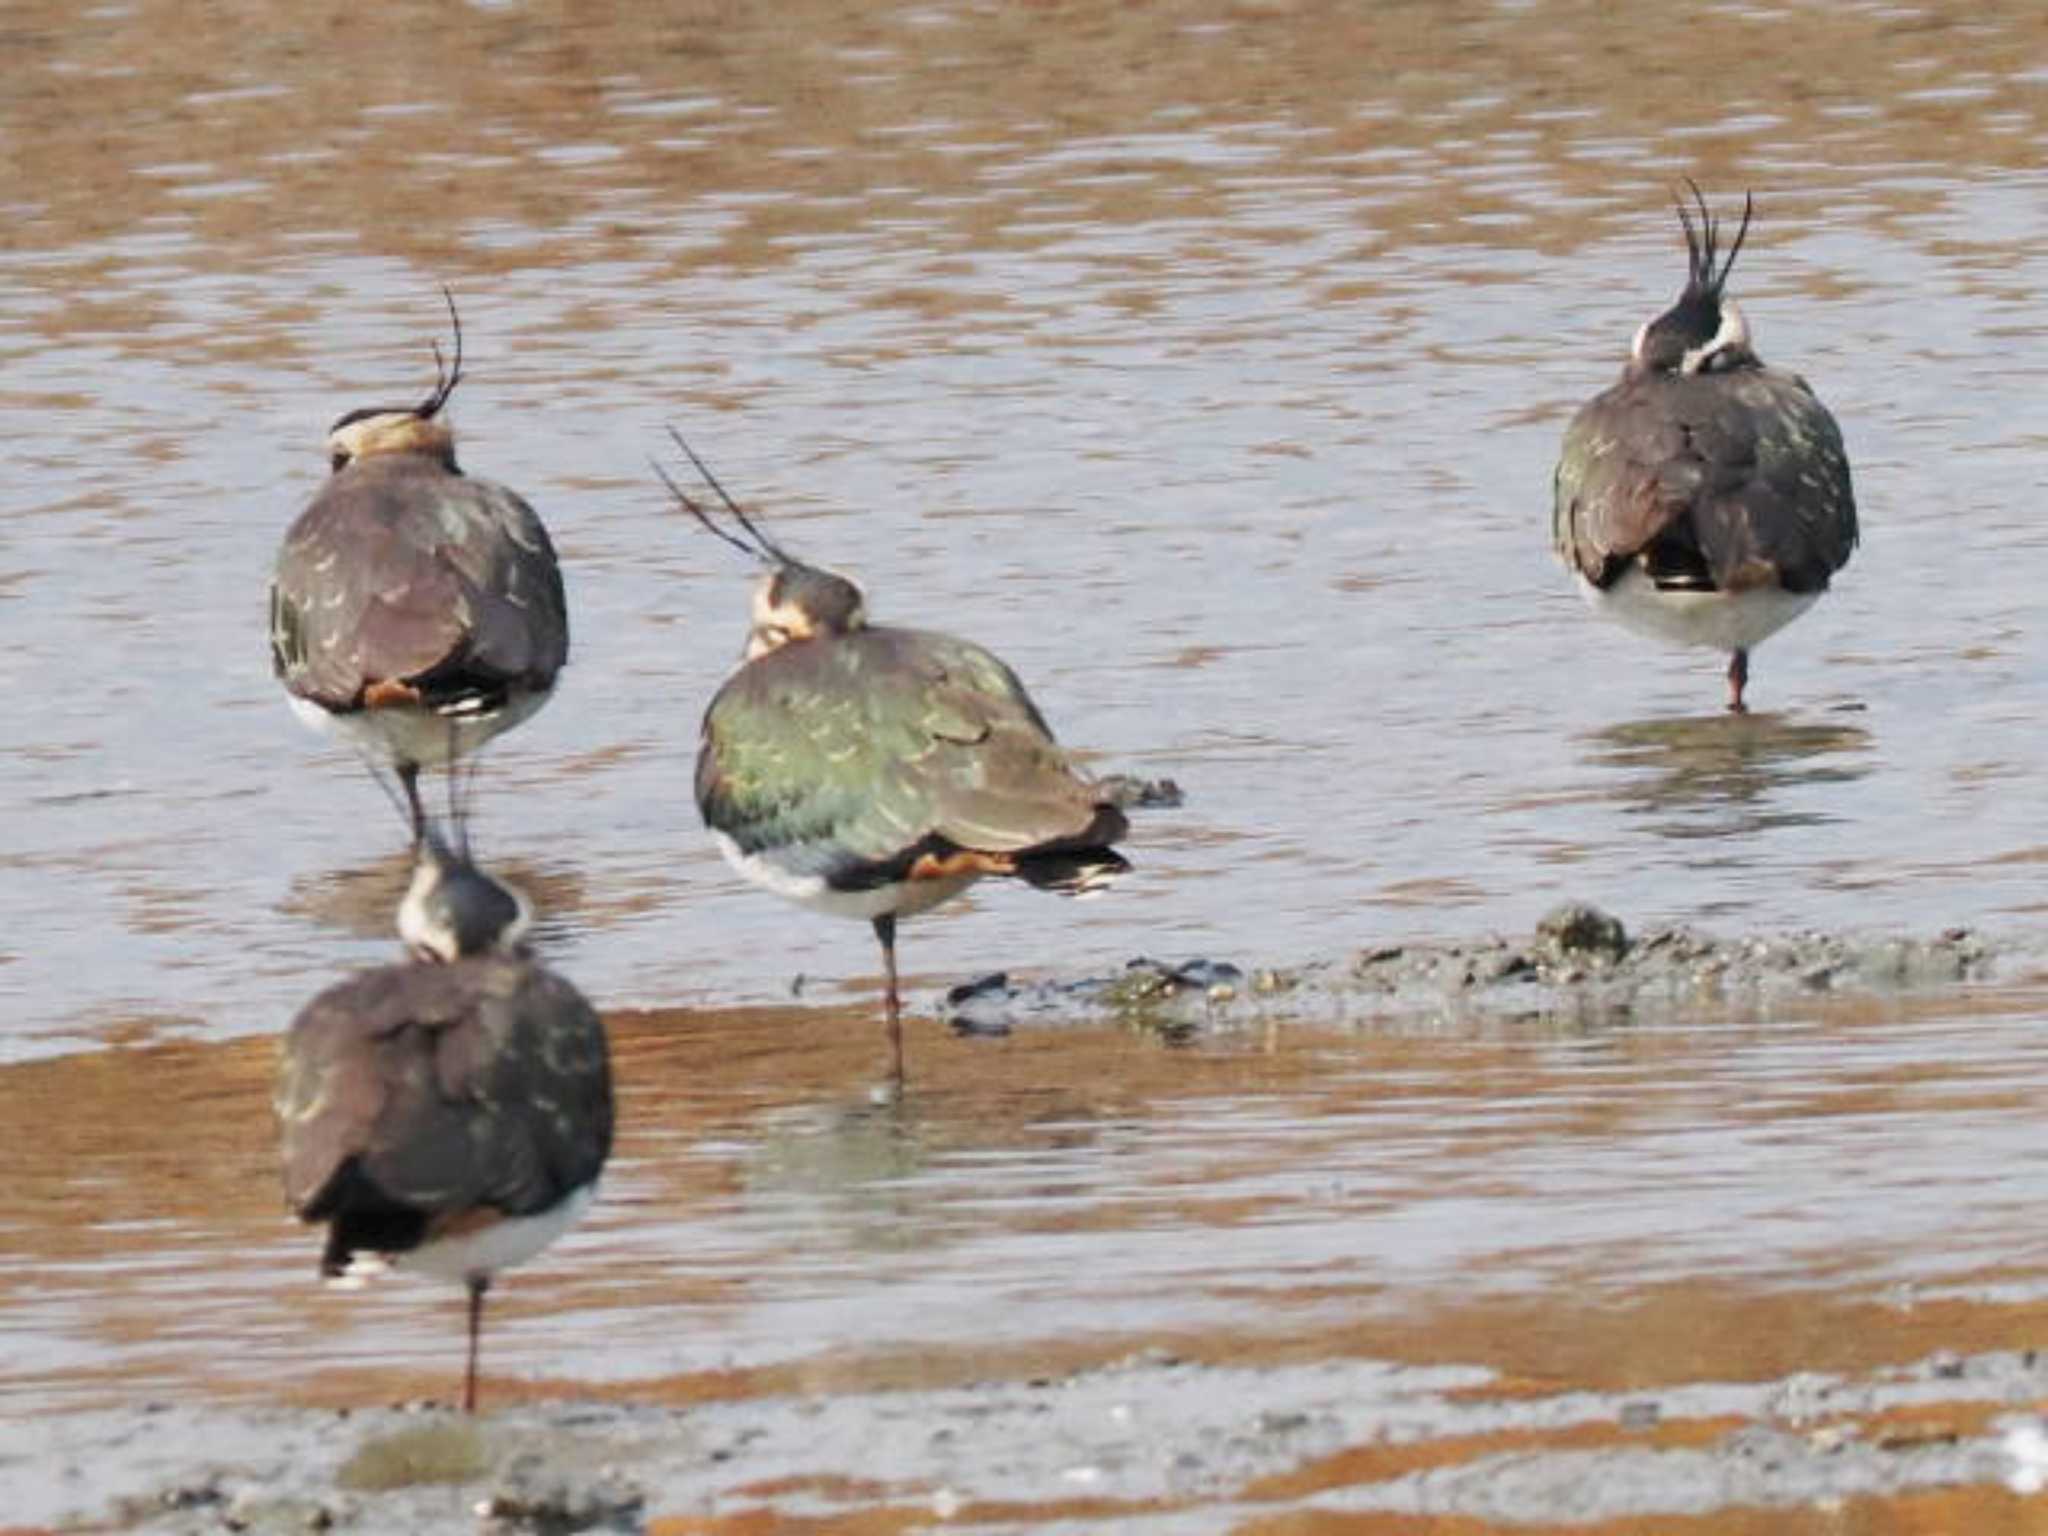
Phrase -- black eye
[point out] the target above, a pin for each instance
(336, 460)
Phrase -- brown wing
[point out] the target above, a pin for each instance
(1742, 474)
(443, 1088)
(401, 570)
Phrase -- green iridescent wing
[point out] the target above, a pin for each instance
(834, 755)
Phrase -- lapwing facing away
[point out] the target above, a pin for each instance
(415, 611)
(1704, 498)
(874, 772)
(450, 1114)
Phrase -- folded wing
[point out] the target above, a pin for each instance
(1729, 481)
(851, 759)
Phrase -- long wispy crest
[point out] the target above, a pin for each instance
(762, 548)
(1709, 273)
(445, 377)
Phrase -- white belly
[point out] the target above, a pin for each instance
(906, 898)
(498, 1246)
(417, 735)
(1721, 621)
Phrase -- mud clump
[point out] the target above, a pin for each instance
(1576, 929)
(1580, 964)
(415, 1456)
(533, 1494)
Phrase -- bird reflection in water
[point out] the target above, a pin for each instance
(1728, 775)
(358, 899)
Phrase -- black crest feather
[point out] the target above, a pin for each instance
(757, 544)
(1709, 269)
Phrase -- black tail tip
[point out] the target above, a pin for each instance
(1073, 874)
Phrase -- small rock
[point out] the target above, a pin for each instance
(195, 1495)
(1945, 1365)
(981, 986)
(534, 1494)
(1510, 965)
(1578, 928)
(1640, 1414)
(1207, 974)
(1127, 792)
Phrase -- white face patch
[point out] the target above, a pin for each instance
(420, 934)
(389, 432)
(1733, 336)
(777, 624)
(428, 936)
(1635, 348)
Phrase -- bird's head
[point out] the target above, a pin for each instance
(793, 601)
(453, 910)
(800, 602)
(1704, 331)
(403, 428)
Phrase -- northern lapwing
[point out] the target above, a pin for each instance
(415, 611)
(1704, 498)
(449, 1114)
(873, 772)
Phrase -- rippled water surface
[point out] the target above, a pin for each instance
(1847, 1185)
(1208, 362)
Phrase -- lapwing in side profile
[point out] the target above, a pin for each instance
(1704, 498)
(450, 1114)
(416, 611)
(874, 772)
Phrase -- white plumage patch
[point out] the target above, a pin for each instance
(500, 1245)
(1721, 621)
(905, 898)
(417, 735)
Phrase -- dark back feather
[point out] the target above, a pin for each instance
(1741, 474)
(437, 1089)
(403, 571)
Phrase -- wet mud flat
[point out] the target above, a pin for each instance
(1577, 1230)
(1151, 1443)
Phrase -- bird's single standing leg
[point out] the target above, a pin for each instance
(409, 776)
(885, 931)
(1738, 679)
(478, 1284)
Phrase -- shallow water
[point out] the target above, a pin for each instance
(1208, 362)
(1849, 1184)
